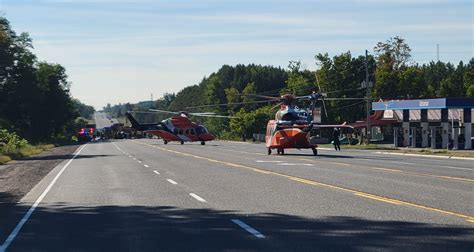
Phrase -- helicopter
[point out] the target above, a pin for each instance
(177, 128)
(292, 125)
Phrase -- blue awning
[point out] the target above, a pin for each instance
(440, 103)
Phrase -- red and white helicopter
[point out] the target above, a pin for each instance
(292, 125)
(177, 128)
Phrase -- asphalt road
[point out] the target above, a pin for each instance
(142, 195)
(103, 121)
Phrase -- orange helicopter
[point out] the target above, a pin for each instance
(292, 125)
(178, 128)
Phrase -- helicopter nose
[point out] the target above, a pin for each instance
(207, 137)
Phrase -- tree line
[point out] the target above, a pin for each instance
(35, 101)
(391, 70)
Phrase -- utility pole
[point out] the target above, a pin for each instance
(437, 52)
(367, 84)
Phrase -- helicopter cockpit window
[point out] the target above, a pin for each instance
(303, 116)
(290, 117)
(201, 130)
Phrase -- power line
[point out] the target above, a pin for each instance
(347, 106)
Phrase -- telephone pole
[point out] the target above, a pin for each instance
(367, 84)
(437, 52)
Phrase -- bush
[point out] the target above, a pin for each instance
(9, 142)
(14, 147)
(4, 159)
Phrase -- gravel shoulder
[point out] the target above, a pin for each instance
(18, 177)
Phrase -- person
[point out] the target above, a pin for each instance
(335, 135)
(461, 141)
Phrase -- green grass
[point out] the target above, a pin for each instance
(4, 159)
(359, 146)
(26, 151)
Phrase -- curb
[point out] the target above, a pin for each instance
(419, 155)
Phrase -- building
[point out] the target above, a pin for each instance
(435, 123)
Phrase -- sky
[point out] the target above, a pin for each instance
(118, 51)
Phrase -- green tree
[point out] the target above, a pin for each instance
(247, 97)
(232, 96)
(395, 50)
(469, 79)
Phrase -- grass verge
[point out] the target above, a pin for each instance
(28, 150)
(360, 146)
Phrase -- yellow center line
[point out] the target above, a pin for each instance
(317, 183)
(383, 199)
(370, 168)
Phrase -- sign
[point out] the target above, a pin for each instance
(388, 114)
(410, 104)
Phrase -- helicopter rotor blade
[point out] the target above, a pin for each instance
(216, 116)
(273, 98)
(322, 96)
(324, 106)
(163, 111)
(279, 104)
(201, 114)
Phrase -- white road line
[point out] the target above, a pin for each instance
(156, 172)
(117, 147)
(139, 161)
(197, 197)
(268, 161)
(134, 158)
(397, 162)
(25, 218)
(130, 156)
(172, 181)
(248, 228)
(146, 166)
(293, 164)
(457, 168)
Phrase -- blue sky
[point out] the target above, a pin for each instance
(124, 50)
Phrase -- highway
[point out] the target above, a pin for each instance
(102, 121)
(142, 195)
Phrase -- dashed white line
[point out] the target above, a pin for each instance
(397, 162)
(172, 181)
(156, 172)
(134, 158)
(248, 228)
(294, 164)
(25, 218)
(147, 166)
(457, 168)
(197, 197)
(139, 161)
(268, 161)
(117, 147)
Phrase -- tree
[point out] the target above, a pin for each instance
(232, 96)
(34, 96)
(247, 97)
(469, 78)
(188, 97)
(85, 111)
(395, 52)
(299, 82)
